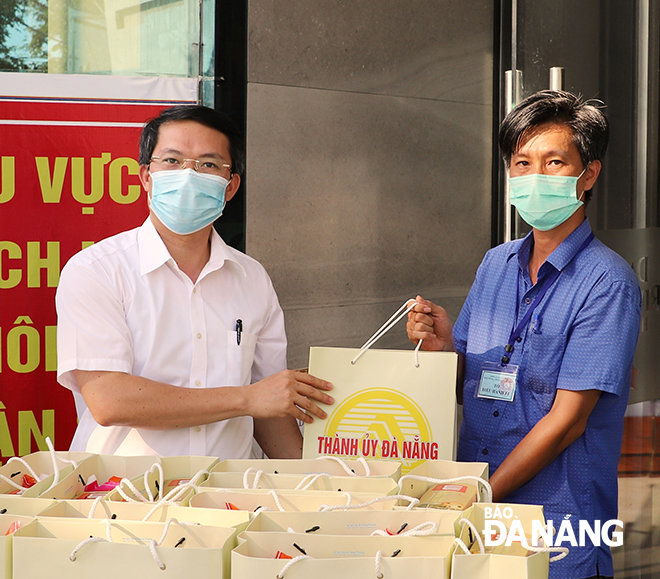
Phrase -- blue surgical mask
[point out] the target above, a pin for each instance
(186, 201)
(544, 201)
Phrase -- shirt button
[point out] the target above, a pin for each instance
(496, 413)
(484, 451)
(199, 336)
(528, 301)
(198, 429)
(198, 383)
(194, 290)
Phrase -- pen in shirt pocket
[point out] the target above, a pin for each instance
(239, 331)
(536, 323)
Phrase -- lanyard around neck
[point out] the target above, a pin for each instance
(546, 284)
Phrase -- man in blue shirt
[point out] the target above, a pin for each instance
(547, 335)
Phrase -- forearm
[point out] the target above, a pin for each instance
(555, 432)
(279, 437)
(532, 454)
(117, 399)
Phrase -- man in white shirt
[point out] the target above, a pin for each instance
(172, 341)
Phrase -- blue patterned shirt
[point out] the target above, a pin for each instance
(581, 336)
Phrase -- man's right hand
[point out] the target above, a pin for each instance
(288, 393)
(429, 322)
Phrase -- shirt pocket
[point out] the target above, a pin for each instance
(546, 352)
(240, 358)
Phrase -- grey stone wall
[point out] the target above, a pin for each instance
(369, 159)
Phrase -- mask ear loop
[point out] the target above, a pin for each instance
(581, 200)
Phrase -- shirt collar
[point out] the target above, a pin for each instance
(154, 253)
(561, 256)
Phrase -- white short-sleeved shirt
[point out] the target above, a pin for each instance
(123, 305)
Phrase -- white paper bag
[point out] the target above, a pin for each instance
(386, 406)
(332, 557)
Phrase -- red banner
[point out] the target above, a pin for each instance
(68, 178)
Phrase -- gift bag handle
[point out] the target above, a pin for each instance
(421, 530)
(439, 481)
(377, 563)
(386, 327)
(108, 531)
(349, 471)
(56, 470)
(349, 507)
(562, 551)
(169, 498)
(475, 531)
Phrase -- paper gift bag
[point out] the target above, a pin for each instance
(34, 473)
(332, 465)
(161, 513)
(170, 478)
(389, 404)
(102, 467)
(445, 473)
(27, 506)
(330, 557)
(381, 523)
(285, 500)
(8, 526)
(525, 557)
(314, 481)
(84, 549)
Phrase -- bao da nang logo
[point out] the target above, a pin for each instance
(380, 423)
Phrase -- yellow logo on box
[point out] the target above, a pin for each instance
(380, 423)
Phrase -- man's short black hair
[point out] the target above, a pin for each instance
(587, 120)
(203, 115)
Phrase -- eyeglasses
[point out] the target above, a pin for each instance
(206, 165)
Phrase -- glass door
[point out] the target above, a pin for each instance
(610, 51)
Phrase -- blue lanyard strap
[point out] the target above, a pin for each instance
(545, 286)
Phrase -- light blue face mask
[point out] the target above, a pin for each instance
(544, 201)
(186, 201)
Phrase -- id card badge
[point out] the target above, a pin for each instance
(498, 381)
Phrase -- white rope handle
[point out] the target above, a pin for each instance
(379, 556)
(159, 505)
(170, 498)
(349, 471)
(475, 531)
(12, 483)
(440, 481)
(108, 529)
(562, 551)
(136, 493)
(462, 545)
(412, 502)
(161, 481)
(257, 476)
(421, 530)
(25, 464)
(276, 498)
(153, 544)
(56, 471)
(108, 532)
(309, 480)
(386, 327)
(99, 500)
(54, 458)
(293, 561)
